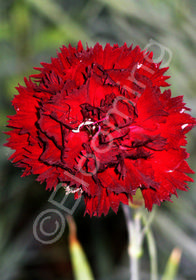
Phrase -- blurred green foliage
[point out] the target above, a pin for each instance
(30, 32)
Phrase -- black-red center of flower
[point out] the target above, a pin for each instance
(89, 126)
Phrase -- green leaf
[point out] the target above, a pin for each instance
(81, 267)
(172, 265)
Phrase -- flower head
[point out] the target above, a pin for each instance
(96, 120)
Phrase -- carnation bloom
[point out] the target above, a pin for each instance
(96, 120)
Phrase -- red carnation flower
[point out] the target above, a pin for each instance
(97, 121)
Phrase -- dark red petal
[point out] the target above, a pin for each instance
(98, 205)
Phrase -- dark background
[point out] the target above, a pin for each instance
(30, 32)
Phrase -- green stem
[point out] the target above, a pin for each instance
(152, 254)
(135, 238)
(151, 246)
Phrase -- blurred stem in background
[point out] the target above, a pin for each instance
(20, 23)
(134, 216)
